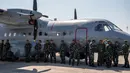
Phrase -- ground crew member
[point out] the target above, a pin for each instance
(100, 50)
(125, 48)
(77, 50)
(46, 51)
(7, 47)
(38, 47)
(1, 49)
(116, 50)
(108, 54)
(52, 51)
(86, 51)
(63, 48)
(27, 49)
(71, 51)
(92, 47)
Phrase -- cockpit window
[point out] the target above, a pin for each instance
(114, 27)
(99, 27)
(102, 27)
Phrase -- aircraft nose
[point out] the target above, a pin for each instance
(126, 37)
(2, 11)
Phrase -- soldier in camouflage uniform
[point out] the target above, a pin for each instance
(100, 49)
(52, 51)
(86, 51)
(77, 50)
(27, 49)
(46, 51)
(116, 50)
(63, 47)
(108, 54)
(71, 51)
(125, 48)
(38, 47)
(1, 49)
(92, 46)
(7, 47)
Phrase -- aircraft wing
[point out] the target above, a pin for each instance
(25, 14)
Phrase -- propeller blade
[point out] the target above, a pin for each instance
(75, 14)
(45, 16)
(35, 5)
(35, 29)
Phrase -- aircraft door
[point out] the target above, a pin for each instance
(81, 34)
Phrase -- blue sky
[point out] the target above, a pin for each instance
(117, 11)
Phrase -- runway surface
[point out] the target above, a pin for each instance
(33, 67)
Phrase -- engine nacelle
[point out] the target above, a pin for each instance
(32, 22)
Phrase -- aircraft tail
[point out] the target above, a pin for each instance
(75, 14)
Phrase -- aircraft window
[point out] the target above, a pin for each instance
(40, 33)
(114, 27)
(24, 34)
(9, 34)
(29, 33)
(45, 34)
(58, 34)
(106, 28)
(99, 27)
(64, 33)
(14, 34)
(5, 35)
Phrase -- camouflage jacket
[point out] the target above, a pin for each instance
(28, 46)
(38, 47)
(125, 48)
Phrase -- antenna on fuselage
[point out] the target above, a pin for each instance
(127, 28)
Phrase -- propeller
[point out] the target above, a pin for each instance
(36, 21)
(75, 14)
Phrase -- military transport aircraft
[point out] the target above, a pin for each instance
(18, 25)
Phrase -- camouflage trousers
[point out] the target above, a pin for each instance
(62, 56)
(100, 58)
(37, 56)
(53, 55)
(115, 58)
(126, 59)
(46, 56)
(27, 55)
(76, 56)
(91, 58)
(108, 59)
(86, 58)
(71, 57)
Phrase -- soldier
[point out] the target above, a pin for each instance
(7, 47)
(63, 47)
(38, 47)
(77, 50)
(100, 48)
(52, 51)
(27, 49)
(116, 50)
(108, 54)
(92, 47)
(71, 51)
(86, 51)
(1, 49)
(125, 48)
(46, 51)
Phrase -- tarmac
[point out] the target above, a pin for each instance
(33, 67)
